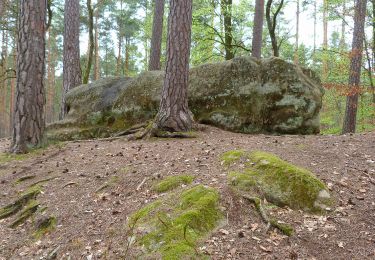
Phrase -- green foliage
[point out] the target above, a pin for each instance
(178, 222)
(173, 182)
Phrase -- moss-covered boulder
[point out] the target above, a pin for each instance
(243, 95)
(172, 227)
(284, 184)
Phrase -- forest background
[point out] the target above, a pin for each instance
(315, 34)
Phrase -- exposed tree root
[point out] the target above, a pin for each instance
(30, 209)
(149, 129)
(17, 205)
(44, 225)
(25, 178)
(284, 228)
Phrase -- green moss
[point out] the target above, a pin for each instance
(178, 222)
(26, 213)
(242, 181)
(172, 182)
(281, 183)
(45, 226)
(19, 203)
(231, 157)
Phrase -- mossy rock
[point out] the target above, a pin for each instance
(172, 182)
(244, 94)
(172, 227)
(280, 182)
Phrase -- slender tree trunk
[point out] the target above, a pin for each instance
(258, 29)
(296, 56)
(226, 9)
(119, 58)
(343, 25)
(97, 55)
(325, 41)
(174, 114)
(127, 57)
(29, 120)
(71, 62)
(157, 35)
(373, 44)
(3, 67)
(90, 52)
(272, 23)
(355, 67)
(120, 37)
(13, 87)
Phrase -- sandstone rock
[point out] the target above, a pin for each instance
(243, 95)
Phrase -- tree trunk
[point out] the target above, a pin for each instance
(325, 41)
(90, 52)
(343, 25)
(355, 67)
(271, 24)
(71, 62)
(119, 59)
(157, 35)
(127, 57)
(97, 55)
(296, 56)
(258, 29)
(51, 77)
(373, 44)
(315, 23)
(174, 114)
(29, 121)
(226, 9)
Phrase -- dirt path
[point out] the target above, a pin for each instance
(92, 224)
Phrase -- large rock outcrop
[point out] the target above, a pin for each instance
(242, 95)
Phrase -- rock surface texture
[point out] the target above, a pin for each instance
(242, 95)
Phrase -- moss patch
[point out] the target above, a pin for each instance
(172, 182)
(280, 182)
(173, 226)
(231, 157)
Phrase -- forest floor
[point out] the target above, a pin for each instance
(92, 225)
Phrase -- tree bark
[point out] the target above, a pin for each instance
(325, 41)
(296, 56)
(258, 29)
(174, 114)
(315, 23)
(271, 24)
(343, 25)
(29, 121)
(97, 54)
(90, 52)
(71, 62)
(355, 67)
(226, 9)
(157, 35)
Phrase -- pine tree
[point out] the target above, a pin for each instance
(29, 121)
